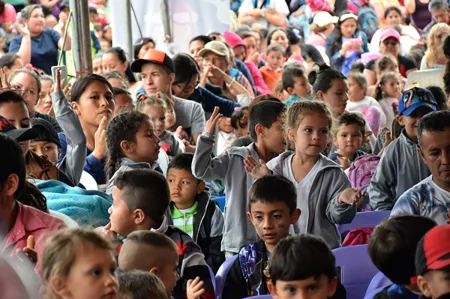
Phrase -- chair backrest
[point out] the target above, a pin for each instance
(222, 275)
(372, 294)
(213, 278)
(364, 219)
(221, 201)
(260, 297)
(378, 281)
(67, 220)
(163, 161)
(356, 269)
(425, 78)
(88, 181)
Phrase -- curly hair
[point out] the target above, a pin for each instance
(433, 50)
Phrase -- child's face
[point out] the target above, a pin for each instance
(434, 283)
(44, 148)
(17, 114)
(412, 122)
(310, 288)
(225, 125)
(275, 59)
(120, 215)
(273, 137)
(91, 276)
(272, 220)
(171, 119)
(169, 273)
(349, 139)
(311, 136)
(124, 103)
(146, 147)
(46, 95)
(355, 91)
(184, 187)
(302, 88)
(158, 116)
(392, 88)
(336, 97)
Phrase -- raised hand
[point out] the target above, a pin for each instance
(194, 288)
(255, 169)
(23, 29)
(212, 121)
(100, 147)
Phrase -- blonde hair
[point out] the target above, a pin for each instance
(157, 99)
(60, 253)
(317, 29)
(432, 51)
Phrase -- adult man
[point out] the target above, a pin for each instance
(440, 11)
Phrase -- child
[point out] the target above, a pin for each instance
(272, 205)
(272, 71)
(433, 264)
(44, 104)
(266, 130)
(296, 84)
(141, 198)
(302, 265)
(124, 101)
(400, 166)
(387, 93)
(156, 107)
(47, 142)
(239, 122)
(78, 263)
(324, 193)
(392, 247)
(225, 135)
(193, 212)
(140, 285)
(132, 144)
(348, 137)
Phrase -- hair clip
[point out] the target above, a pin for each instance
(158, 95)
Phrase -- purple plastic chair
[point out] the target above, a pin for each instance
(379, 281)
(213, 278)
(260, 297)
(222, 275)
(356, 268)
(364, 219)
(373, 293)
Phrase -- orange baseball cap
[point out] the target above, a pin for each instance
(155, 57)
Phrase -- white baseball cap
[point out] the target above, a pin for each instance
(323, 18)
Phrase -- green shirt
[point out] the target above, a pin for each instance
(184, 219)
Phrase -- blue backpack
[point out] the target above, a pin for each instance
(367, 19)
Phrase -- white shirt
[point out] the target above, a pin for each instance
(367, 102)
(279, 5)
(386, 105)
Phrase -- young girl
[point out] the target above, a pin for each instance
(384, 64)
(324, 193)
(78, 263)
(155, 107)
(132, 144)
(44, 104)
(387, 93)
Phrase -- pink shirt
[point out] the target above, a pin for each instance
(317, 40)
(9, 14)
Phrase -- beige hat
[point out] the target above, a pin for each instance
(217, 47)
(323, 18)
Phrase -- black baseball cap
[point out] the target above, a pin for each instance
(155, 57)
(7, 128)
(45, 131)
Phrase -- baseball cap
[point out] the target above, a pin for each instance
(389, 32)
(155, 57)
(433, 250)
(7, 128)
(217, 47)
(323, 18)
(45, 131)
(415, 98)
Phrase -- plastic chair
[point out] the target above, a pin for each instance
(163, 161)
(88, 181)
(260, 297)
(66, 219)
(373, 293)
(364, 219)
(213, 278)
(356, 269)
(222, 275)
(221, 201)
(379, 281)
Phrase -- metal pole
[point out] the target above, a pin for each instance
(81, 37)
(123, 35)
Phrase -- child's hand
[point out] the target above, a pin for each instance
(351, 196)
(107, 233)
(194, 288)
(255, 169)
(212, 121)
(345, 162)
(29, 251)
(100, 147)
(188, 147)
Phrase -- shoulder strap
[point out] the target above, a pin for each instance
(255, 3)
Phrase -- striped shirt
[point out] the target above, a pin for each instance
(184, 219)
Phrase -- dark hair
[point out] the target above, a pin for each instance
(141, 284)
(265, 97)
(237, 118)
(288, 51)
(122, 127)
(8, 60)
(182, 162)
(33, 197)
(436, 121)
(154, 239)
(12, 162)
(186, 67)
(148, 191)
(80, 86)
(392, 246)
(203, 38)
(93, 10)
(28, 10)
(384, 78)
(118, 91)
(300, 257)
(322, 80)
(446, 76)
(357, 67)
(264, 113)
(120, 53)
(392, 8)
(33, 74)
(273, 188)
(336, 36)
(351, 118)
(289, 74)
(439, 96)
(140, 43)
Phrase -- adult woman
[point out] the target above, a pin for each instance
(9, 63)
(97, 66)
(195, 45)
(322, 26)
(308, 52)
(35, 44)
(435, 57)
(418, 10)
(142, 45)
(115, 59)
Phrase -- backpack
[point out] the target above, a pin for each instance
(265, 3)
(367, 19)
(361, 171)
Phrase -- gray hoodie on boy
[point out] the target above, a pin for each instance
(319, 204)
(229, 167)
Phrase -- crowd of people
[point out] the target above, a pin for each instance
(299, 115)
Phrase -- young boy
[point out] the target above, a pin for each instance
(193, 212)
(302, 266)
(47, 142)
(433, 263)
(294, 81)
(140, 285)
(400, 166)
(272, 71)
(348, 137)
(266, 130)
(431, 196)
(140, 200)
(392, 248)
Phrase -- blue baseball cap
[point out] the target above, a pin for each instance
(415, 98)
